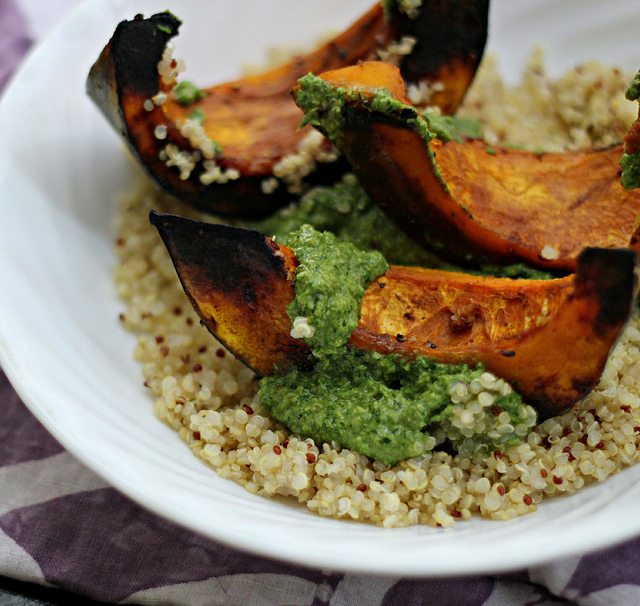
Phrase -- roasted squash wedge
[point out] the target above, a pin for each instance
(220, 149)
(549, 338)
(459, 197)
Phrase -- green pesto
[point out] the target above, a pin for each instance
(630, 163)
(406, 402)
(387, 8)
(496, 435)
(447, 128)
(517, 271)
(466, 127)
(325, 107)
(197, 114)
(633, 90)
(187, 93)
(167, 29)
(170, 14)
(385, 407)
(329, 285)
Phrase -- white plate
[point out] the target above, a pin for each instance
(63, 348)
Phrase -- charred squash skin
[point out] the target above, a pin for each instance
(451, 36)
(471, 203)
(549, 338)
(253, 119)
(237, 281)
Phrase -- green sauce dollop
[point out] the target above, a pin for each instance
(630, 162)
(330, 283)
(390, 408)
(630, 178)
(187, 93)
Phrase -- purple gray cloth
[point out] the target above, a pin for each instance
(14, 39)
(62, 526)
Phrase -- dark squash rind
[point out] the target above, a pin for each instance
(135, 46)
(235, 278)
(451, 36)
(555, 359)
(125, 76)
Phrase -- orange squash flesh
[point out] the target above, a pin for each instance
(549, 338)
(253, 119)
(473, 203)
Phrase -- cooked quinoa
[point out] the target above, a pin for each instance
(586, 106)
(210, 398)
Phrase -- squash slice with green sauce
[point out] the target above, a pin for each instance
(469, 202)
(549, 338)
(238, 133)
